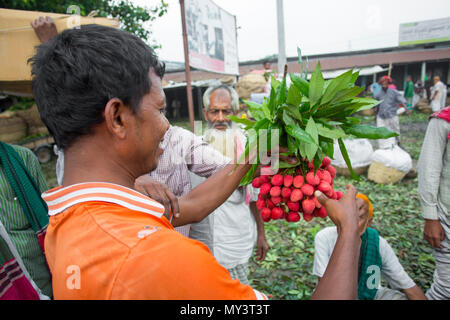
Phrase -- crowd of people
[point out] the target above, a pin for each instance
(148, 210)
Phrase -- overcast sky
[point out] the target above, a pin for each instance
(316, 26)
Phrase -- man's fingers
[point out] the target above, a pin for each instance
(321, 197)
(173, 203)
(351, 191)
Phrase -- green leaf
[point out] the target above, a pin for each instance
(283, 165)
(299, 54)
(272, 102)
(364, 103)
(316, 85)
(347, 94)
(287, 119)
(293, 111)
(294, 96)
(292, 145)
(369, 132)
(281, 93)
(266, 110)
(327, 148)
(299, 134)
(335, 85)
(246, 122)
(311, 148)
(347, 159)
(330, 133)
(300, 83)
(354, 77)
(255, 110)
(248, 178)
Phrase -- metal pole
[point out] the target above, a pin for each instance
(187, 67)
(281, 40)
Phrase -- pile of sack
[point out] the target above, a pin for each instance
(250, 83)
(16, 125)
(389, 165)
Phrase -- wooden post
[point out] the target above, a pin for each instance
(187, 67)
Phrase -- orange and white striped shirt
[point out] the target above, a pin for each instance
(105, 241)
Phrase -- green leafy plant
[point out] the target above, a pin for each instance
(310, 115)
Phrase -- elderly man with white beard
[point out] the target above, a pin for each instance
(232, 230)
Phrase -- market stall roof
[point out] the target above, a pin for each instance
(365, 71)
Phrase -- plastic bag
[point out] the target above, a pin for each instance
(359, 151)
(394, 157)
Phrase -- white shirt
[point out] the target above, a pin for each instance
(391, 268)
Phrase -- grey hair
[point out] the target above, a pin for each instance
(233, 93)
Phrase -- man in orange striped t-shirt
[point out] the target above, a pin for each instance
(99, 92)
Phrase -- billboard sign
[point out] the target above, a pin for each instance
(211, 34)
(424, 32)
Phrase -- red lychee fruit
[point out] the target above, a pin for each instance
(307, 189)
(265, 188)
(326, 176)
(260, 204)
(286, 192)
(308, 206)
(332, 171)
(277, 213)
(296, 195)
(326, 162)
(316, 202)
(293, 206)
(276, 200)
(298, 181)
(339, 195)
(288, 180)
(293, 217)
(270, 204)
(275, 191)
(277, 180)
(324, 186)
(266, 214)
(256, 183)
(307, 216)
(264, 179)
(322, 212)
(312, 179)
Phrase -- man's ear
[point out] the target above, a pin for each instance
(117, 118)
(204, 114)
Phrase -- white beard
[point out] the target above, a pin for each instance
(223, 140)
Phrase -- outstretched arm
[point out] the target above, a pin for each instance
(340, 280)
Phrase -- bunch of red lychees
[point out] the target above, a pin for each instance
(286, 196)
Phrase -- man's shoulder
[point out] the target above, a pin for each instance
(25, 153)
(327, 233)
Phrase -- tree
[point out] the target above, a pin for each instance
(131, 17)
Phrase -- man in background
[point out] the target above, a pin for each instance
(409, 92)
(386, 111)
(438, 94)
(377, 258)
(434, 195)
(231, 230)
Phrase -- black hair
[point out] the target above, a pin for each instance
(78, 71)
